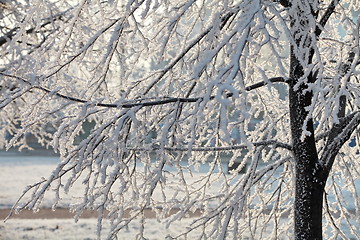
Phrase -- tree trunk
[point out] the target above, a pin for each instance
(309, 186)
(309, 183)
(308, 203)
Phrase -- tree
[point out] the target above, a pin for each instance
(273, 84)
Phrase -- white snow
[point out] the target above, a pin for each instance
(84, 229)
(17, 171)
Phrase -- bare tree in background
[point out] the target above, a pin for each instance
(173, 86)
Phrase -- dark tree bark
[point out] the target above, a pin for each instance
(309, 188)
(311, 170)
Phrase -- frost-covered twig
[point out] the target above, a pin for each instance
(14, 208)
(274, 143)
(149, 102)
(8, 36)
(338, 135)
(162, 101)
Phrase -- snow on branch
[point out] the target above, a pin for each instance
(285, 3)
(149, 102)
(338, 135)
(9, 35)
(274, 143)
(326, 16)
(138, 103)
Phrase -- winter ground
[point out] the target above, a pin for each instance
(84, 229)
(17, 171)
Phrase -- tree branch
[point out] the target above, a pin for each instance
(284, 3)
(137, 103)
(329, 11)
(345, 68)
(274, 143)
(224, 20)
(338, 135)
(11, 33)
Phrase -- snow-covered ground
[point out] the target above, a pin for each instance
(20, 170)
(17, 171)
(84, 229)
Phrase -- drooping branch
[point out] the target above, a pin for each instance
(137, 103)
(273, 143)
(224, 20)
